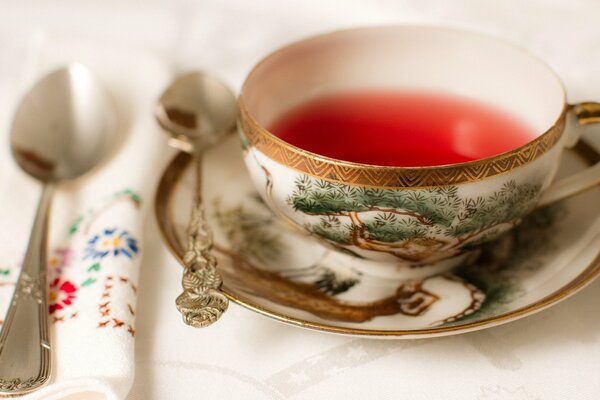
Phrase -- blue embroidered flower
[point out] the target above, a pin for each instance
(111, 241)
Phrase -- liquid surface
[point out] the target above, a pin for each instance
(401, 128)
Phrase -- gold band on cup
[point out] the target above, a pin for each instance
(394, 177)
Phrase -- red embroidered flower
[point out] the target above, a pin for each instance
(61, 294)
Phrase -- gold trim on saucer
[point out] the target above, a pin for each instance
(394, 177)
(164, 213)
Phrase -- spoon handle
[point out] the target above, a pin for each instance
(202, 302)
(24, 339)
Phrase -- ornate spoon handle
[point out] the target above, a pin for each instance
(24, 340)
(202, 301)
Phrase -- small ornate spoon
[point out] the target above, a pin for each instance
(198, 111)
(63, 128)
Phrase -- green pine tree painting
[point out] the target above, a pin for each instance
(410, 224)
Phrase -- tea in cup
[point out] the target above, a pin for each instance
(410, 145)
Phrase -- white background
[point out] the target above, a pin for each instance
(552, 355)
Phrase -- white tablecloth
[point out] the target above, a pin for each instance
(552, 355)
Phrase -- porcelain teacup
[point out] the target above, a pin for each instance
(441, 212)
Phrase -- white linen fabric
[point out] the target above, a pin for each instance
(552, 355)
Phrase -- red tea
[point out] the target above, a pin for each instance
(401, 128)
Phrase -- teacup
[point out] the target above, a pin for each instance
(442, 212)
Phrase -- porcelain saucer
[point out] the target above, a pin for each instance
(286, 275)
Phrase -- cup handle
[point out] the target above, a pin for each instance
(578, 115)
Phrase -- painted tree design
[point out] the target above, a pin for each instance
(410, 224)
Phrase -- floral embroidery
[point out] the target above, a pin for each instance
(88, 217)
(61, 294)
(111, 241)
(107, 318)
(7, 277)
(61, 257)
(95, 248)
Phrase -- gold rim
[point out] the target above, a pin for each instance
(163, 210)
(393, 177)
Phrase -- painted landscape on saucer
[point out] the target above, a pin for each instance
(326, 288)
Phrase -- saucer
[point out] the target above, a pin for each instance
(276, 271)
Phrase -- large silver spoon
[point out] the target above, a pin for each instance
(63, 127)
(198, 111)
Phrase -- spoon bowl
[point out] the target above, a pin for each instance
(64, 126)
(197, 110)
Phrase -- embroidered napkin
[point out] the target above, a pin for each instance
(97, 223)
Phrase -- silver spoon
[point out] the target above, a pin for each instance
(62, 128)
(198, 111)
